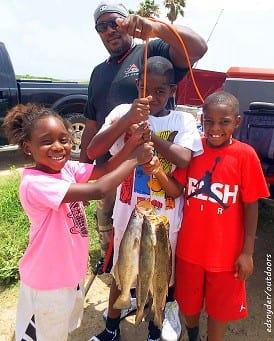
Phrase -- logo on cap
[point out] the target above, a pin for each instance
(103, 8)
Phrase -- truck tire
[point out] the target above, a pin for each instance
(77, 122)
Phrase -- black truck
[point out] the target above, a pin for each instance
(67, 98)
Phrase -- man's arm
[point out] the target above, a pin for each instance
(144, 28)
(88, 133)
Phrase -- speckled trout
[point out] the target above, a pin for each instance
(126, 268)
(162, 270)
(146, 266)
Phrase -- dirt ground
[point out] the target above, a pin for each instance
(258, 326)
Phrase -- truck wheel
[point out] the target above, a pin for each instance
(77, 122)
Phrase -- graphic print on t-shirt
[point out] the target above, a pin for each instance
(144, 185)
(205, 189)
(132, 69)
(78, 218)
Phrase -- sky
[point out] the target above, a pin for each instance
(56, 38)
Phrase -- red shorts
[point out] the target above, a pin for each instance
(224, 295)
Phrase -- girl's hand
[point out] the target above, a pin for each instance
(140, 133)
(144, 152)
(153, 166)
(243, 266)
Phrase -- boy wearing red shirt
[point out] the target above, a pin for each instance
(214, 254)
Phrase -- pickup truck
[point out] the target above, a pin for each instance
(67, 98)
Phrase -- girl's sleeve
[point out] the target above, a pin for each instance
(48, 193)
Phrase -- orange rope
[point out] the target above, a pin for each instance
(171, 28)
(145, 67)
(144, 95)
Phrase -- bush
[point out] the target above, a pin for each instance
(14, 230)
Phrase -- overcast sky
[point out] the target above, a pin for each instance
(56, 38)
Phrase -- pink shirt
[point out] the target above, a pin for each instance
(57, 253)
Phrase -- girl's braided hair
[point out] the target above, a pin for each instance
(21, 119)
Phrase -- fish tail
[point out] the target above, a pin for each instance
(158, 320)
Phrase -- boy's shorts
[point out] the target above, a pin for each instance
(224, 295)
(48, 314)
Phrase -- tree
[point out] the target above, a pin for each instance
(147, 9)
(174, 7)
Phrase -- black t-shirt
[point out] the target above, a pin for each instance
(113, 82)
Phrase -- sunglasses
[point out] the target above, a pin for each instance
(103, 25)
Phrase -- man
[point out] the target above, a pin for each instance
(113, 82)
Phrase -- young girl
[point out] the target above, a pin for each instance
(54, 265)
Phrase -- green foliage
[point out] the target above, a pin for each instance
(38, 78)
(174, 7)
(14, 230)
(147, 9)
(43, 78)
(94, 246)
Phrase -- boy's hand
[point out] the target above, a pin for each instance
(153, 166)
(144, 152)
(140, 133)
(139, 110)
(243, 266)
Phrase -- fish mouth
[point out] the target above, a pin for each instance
(145, 207)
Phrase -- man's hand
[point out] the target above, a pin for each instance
(136, 26)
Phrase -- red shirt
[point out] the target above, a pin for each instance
(218, 183)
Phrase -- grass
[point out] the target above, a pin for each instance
(14, 230)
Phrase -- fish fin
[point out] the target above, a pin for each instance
(136, 243)
(158, 320)
(116, 276)
(139, 316)
(122, 302)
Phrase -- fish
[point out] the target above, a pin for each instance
(126, 268)
(162, 270)
(146, 267)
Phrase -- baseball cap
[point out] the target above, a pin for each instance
(110, 7)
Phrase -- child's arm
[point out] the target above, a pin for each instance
(140, 135)
(244, 263)
(104, 139)
(172, 188)
(109, 181)
(173, 152)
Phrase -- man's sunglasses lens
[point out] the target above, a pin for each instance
(103, 26)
